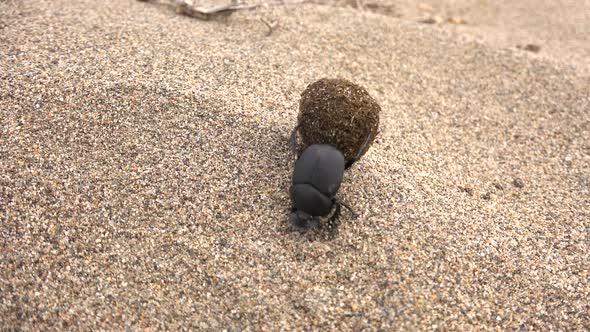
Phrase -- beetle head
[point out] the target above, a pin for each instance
(303, 221)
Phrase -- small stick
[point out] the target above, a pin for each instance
(270, 26)
(186, 8)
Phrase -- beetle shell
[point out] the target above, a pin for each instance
(307, 198)
(316, 179)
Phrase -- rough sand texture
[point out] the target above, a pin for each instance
(559, 27)
(144, 170)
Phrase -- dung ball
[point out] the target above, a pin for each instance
(338, 112)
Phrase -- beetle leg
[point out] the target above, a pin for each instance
(367, 140)
(359, 153)
(293, 140)
(339, 202)
(336, 213)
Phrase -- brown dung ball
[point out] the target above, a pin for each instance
(338, 112)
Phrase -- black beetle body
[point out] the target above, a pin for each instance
(318, 173)
(316, 179)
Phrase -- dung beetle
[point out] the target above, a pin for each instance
(316, 180)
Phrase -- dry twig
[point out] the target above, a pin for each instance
(270, 25)
(186, 7)
(189, 8)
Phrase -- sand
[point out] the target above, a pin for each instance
(559, 28)
(144, 173)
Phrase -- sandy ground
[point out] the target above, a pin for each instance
(144, 174)
(559, 28)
